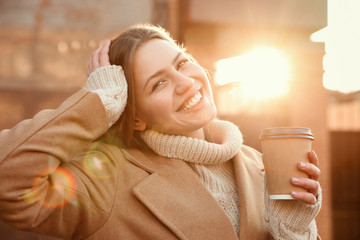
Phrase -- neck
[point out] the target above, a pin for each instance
(199, 134)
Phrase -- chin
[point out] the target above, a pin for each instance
(212, 113)
(207, 119)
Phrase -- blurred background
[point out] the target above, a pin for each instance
(271, 62)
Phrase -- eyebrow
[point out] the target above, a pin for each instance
(162, 71)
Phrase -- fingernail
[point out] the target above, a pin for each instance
(294, 194)
(302, 165)
(295, 180)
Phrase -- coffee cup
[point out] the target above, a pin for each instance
(283, 148)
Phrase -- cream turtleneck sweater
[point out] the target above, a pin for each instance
(210, 159)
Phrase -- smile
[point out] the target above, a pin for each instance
(192, 102)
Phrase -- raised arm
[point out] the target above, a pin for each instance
(39, 181)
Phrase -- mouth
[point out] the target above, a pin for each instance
(191, 103)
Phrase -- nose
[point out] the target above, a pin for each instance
(183, 83)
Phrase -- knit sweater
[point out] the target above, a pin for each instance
(210, 159)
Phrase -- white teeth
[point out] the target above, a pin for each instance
(192, 102)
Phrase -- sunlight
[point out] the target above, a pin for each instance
(262, 73)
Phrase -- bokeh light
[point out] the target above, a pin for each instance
(97, 165)
(262, 73)
(56, 191)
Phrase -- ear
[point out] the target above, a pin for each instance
(139, 124)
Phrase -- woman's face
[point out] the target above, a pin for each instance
(173, 94)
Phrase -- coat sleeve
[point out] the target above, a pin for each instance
(40, 185)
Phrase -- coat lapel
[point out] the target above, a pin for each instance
(175, 195)
(250, 181)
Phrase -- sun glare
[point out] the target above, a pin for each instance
(262, 73)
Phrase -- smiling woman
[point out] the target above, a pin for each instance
(146, 157)
(177, 98)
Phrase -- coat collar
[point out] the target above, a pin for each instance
(174, 194)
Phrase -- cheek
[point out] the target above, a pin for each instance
(153, 110)
(201, 74)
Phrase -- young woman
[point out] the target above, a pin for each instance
(138, 154)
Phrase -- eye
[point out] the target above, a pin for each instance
(182, 63)
(157, 84)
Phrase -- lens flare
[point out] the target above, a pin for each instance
(52, 188)
(97, 164)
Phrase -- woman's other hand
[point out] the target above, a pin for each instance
(108, 81)
(311, 184)
(100, 57)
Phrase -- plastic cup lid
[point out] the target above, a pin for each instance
(286, 132)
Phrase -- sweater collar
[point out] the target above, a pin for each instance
(223, 141)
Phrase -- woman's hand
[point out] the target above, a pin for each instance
(108, 81)
(311, 183)
(100, 57)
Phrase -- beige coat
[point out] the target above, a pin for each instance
(48, 187)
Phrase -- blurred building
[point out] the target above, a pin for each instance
(344, 125)
(45, 46)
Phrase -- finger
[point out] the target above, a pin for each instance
(311, 185)
(310, 169)
(94, 62)
(95, 58)
(314, 158)
(90, 64)
(90, 67)
(305, 196)
(104, 53)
